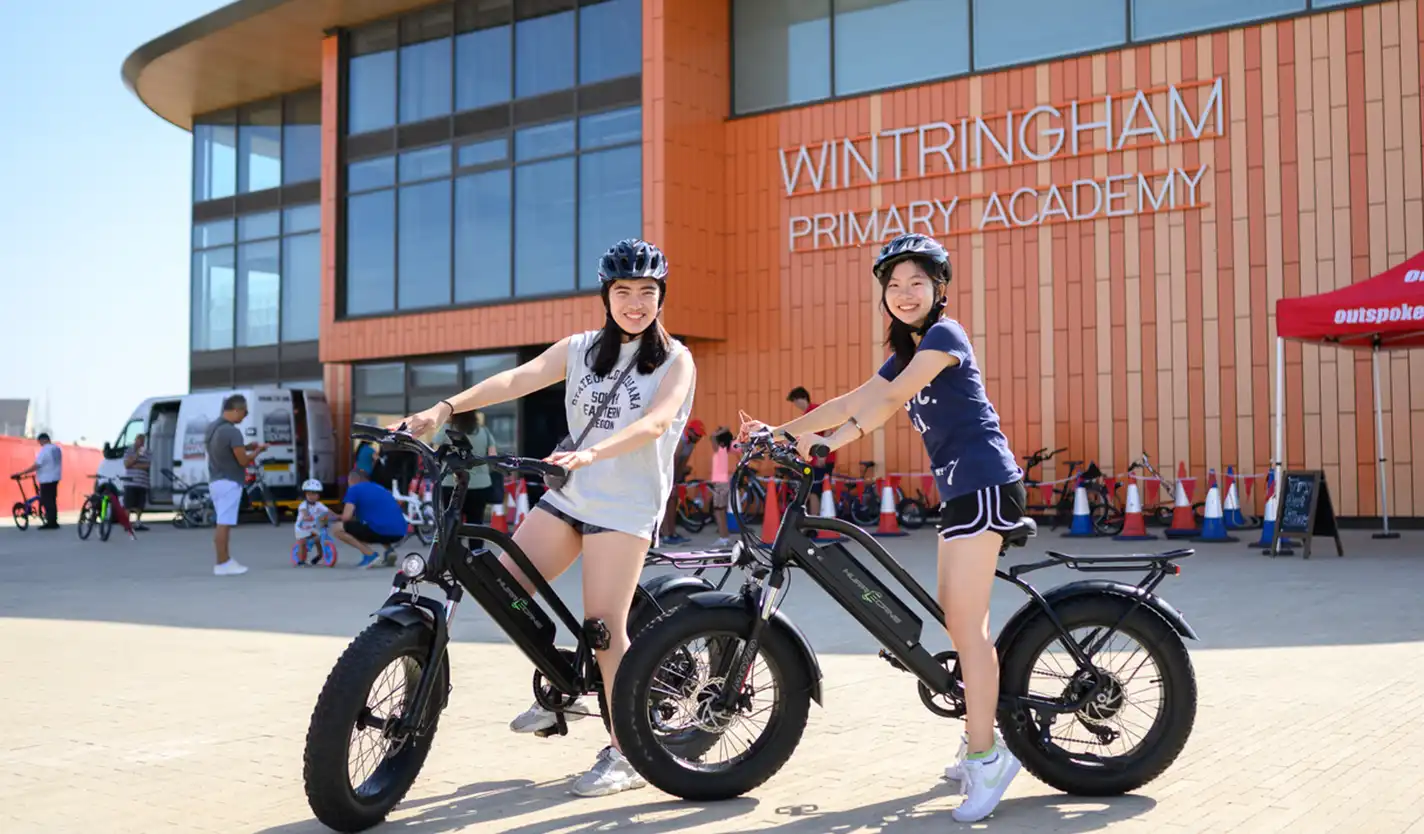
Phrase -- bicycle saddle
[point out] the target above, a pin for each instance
(1019, 534)
(867, 463)
(1072, 463)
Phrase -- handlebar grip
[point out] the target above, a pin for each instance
(1056, 451)
(366, 431)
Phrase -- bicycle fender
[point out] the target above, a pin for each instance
(1089, 587)
(779, 620)
(659, 586)
(404, 615)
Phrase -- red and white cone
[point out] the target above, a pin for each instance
(828, 510)
(1134, 526)
(889, 521)
(521, 503)
(497, 518)
(1184, 522)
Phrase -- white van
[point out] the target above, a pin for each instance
(295, 421)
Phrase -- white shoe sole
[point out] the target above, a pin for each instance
(998, 794)
(609, 790)
(545, 723)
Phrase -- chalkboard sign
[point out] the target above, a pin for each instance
(1304, 509)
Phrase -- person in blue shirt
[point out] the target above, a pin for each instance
(371, 517)
(933, 374)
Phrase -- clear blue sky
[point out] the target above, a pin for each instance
(94, 215)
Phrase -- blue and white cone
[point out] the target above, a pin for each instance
(1213, 527)
(1268, 531)
(1082, 516)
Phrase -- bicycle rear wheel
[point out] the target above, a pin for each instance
(268, 505)
(87, 515)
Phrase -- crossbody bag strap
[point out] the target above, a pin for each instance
(598, 412)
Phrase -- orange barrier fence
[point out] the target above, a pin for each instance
(77, 478)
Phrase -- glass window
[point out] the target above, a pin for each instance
(212, 233)
(614, 127)
(307, 384)
(371, 92)
(212, 299)
(1160, 18)
(370, 253)
(544, 227)
(875, 48)
(484, 153)
(610, 205)
(502, 420)
(1001, 38)
(544, 54)
(371, 173)
(423, 273)
(432, 382)
(545, 140)
(301, 137)
(424, 80)
(482, 73)
(254, 226)
(783, 52)
(378, 390)
(214, 161)
(482, 229)
(425, 163)
(301, 287)
(258, 293)
(609, 37)
(259, 147)
(1316, 4)
(301, 218)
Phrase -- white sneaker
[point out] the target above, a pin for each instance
(537, 718)
(955, 771)
(229, 568)
(722, 542)
(984, 785)
(610, 774)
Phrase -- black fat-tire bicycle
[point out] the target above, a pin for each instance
(1058, 679)
(392, 682)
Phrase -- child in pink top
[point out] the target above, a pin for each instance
(721, 482)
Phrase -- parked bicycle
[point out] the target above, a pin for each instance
(1162, 511)
(694, 509)
(760, 666)
(377, 714)
(27, 507)
(192, 503)
(98, 510)
(418, 509)
(255, 490)
(1106, 515)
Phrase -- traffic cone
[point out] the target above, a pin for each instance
(1082, 516)
(1134, 526)
(889, 521)
(521, 503)
(1184, 523)
(497, 518)
(1268, 522)
(771, 519)
(828, 510)
(1231, 513)
(1213, 525)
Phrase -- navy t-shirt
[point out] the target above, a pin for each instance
(968, 451)
(376, 508)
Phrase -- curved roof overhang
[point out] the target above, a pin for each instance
(245, 51)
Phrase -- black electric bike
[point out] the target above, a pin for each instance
(1062, 681)
(390, 685)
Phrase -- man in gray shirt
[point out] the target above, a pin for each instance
(228, 459)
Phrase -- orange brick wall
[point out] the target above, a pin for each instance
(1111, 336)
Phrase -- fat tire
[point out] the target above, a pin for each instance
(1179, 695)
(768, 754)
(325, 760)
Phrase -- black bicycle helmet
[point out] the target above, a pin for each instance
(912, 245)
(632, 258)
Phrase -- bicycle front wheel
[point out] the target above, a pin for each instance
(106, 519)
(87, 515)
(268, 505)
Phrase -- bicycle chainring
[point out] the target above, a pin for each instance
(546, 694)
(949, 704)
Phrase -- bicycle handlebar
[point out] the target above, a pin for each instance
(456, 451)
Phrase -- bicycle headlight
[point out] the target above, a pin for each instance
(413, 566)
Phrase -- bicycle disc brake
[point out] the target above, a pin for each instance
(948, 704)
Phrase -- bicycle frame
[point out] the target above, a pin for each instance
(886, 616)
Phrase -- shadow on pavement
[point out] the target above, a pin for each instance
(1234, 596)
(485, 803)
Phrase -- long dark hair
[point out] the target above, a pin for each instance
(901, 338)
(654, 343)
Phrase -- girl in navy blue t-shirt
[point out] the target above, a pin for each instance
(934, 376)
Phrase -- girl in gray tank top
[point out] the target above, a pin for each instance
(628, 395)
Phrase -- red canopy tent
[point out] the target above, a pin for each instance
(1385, 312)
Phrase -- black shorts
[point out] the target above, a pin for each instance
(997, 508)
(583, 528)
(361, 533)
(135, 498)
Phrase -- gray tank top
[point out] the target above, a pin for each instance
(627, 493)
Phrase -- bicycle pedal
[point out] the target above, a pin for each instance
(892, 660)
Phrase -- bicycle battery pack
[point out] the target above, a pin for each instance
(857, 589)
(505, 599)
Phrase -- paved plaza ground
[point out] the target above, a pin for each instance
(142, 694)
